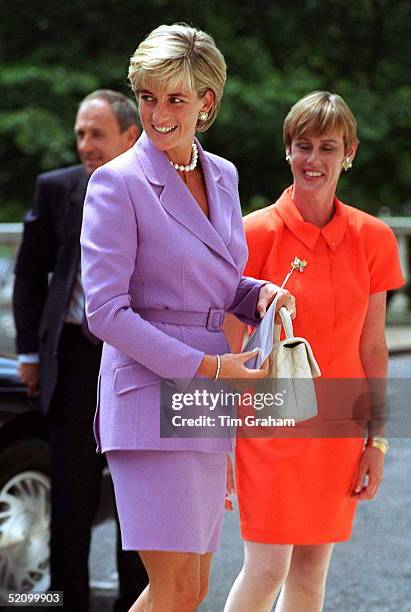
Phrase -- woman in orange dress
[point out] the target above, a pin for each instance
(297, 496)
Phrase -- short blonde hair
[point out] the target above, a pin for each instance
(317, 113)
(179, 55)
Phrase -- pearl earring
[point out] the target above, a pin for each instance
(346, 164)
(203, 116)
(288, 157)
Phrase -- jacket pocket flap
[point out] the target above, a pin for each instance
(133, 376)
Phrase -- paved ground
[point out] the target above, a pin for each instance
(399, 338)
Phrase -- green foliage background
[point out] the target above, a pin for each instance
(54, 53)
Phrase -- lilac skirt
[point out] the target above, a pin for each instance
(169, 500)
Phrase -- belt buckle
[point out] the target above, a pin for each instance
(215, 319)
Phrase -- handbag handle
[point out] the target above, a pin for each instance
(287, 323)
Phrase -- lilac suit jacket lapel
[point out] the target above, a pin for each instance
(220, 199)
(178, 201)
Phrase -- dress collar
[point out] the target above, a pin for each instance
(333, 233)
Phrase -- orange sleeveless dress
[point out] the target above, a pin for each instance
(298, 490)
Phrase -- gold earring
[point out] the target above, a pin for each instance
(346, 164)
(203, 116)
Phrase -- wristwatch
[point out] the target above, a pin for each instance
(378, 442)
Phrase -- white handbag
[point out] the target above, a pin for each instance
(293, 368)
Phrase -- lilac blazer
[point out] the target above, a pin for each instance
(147, 244)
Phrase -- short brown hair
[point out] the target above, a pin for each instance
(317, 113)
(180, 55)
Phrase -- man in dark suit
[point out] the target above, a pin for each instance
(59, 358)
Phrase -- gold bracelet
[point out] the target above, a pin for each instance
(378, 442)
(217, 374)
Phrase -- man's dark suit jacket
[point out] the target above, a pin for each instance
(50, 247)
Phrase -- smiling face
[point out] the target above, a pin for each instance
(316, 162)
(169, 117)
(98, 135)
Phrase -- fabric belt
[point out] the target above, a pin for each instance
(212, 320)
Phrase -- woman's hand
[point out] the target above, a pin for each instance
(370, 473)
(230, 487)
(232, 366)
(267, 294)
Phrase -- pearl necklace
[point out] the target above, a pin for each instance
(192, 164)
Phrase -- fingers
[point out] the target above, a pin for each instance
(370, 474)
(31, 384)
(287, 300)
(248, 354)
(29, 376)
(262, 371)
(228, 503)
(372, 488)
(257, 374)
(367, 493)
(230, 487)
(262, 307)
(267, 294)
(360, 482)
(374, 481)
(291, 306)
(33, 391)
(265, 367)
(233, 366)
(263, 299)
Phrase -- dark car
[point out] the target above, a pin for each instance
(24, 487)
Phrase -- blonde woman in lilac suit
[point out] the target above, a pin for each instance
(163, 256)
